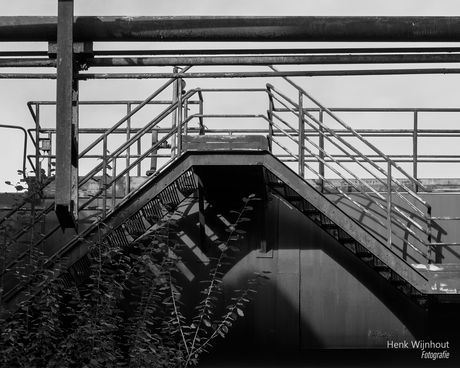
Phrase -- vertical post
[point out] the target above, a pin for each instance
(301, 137)
(321, 152)
(174, 115)
(389, 205)
(128, 151)
(104, 176)
(186, 117)
(66, 206)
(201, 112)
(201, 216)
(429, 225)
(271, 107)
(179, 117)
(154, 159)
(114, 183)
(50, 166)
(37, 144)
(415, 149)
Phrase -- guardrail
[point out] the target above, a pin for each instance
(303, 142)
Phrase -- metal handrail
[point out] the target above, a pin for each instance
(305, 117)
(84, 152)
(318, 129)
(103, 165)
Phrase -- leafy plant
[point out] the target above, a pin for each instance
(128, 312)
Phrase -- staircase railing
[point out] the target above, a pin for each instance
(391, 216)
(107, 159)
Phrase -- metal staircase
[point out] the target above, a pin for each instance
(282, 189)
(290, 127)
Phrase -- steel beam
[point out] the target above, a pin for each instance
(237, 29)
(66, 202)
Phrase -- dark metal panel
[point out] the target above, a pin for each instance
(344, 303)
(218, 29)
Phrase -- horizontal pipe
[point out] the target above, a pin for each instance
(237, 29)
(274, 60)
(250, 51)
(306, 73)
(27, 63)
(242, 60)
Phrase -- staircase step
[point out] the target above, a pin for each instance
(117, 238)
(152, 211)
(379, 265)
(134, 225)
(80, 270)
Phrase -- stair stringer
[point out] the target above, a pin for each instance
(347, 224)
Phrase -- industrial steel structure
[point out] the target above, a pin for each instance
(361, 249)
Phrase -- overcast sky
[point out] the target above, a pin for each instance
(412, 91)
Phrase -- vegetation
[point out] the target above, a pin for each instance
(129, 312)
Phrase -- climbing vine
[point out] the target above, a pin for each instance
(129, 312)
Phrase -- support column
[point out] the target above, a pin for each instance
(66, 206)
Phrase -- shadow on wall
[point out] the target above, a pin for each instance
(319, 296)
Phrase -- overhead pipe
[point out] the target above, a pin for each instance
(287, 73)
(273, 60)
(237, 29)
(242, 60)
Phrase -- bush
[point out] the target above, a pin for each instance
(128, 314)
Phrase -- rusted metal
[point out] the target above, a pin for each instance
(222, 28)
(274, 60)
(279, 74)
(240, 60)
(66, 206)
(27, 63)
(297, 73)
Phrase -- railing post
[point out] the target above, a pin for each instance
(174, 115)
(389, 206)
(270, 118)
(429, 226)
(415, 150)
(201, 113)
(301, 137)
(154, 159)
(37, 144)
(104, 177)
(128, 151)
(114, 184)
(321, 151)
(179, 117)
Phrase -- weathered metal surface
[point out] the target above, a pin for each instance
(307, 73)
(66, 206)
(274, 60)
(343, 303)
(279, 29)
(225, 143)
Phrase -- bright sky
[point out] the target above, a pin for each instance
(395, 91)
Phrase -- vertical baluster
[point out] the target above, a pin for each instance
(301, 137)
(415, 150)
(104, 176)
(389, 205)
